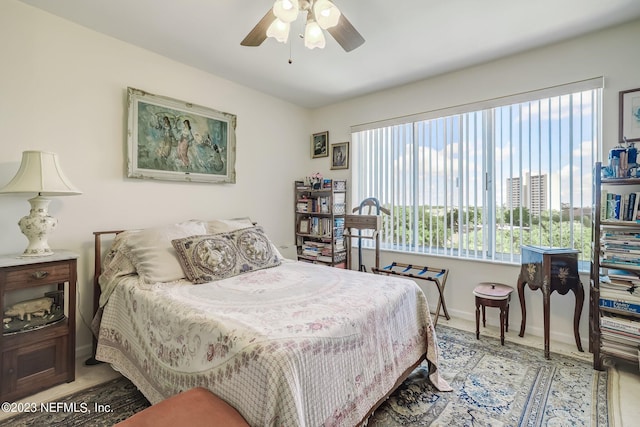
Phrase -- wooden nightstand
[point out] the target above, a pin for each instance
(37, 351)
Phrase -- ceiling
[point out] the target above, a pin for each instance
(406, 40)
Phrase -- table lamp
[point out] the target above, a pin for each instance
(39, 173)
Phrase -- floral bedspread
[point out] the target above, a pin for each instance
(294, 345)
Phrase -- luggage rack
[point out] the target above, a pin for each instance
(431, 274)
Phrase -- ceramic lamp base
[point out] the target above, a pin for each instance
(37, 226)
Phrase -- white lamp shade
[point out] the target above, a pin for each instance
(313, 36)
(286, 10)
(279, 30)
(40, 173)
(326, 13)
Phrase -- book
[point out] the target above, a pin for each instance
(617, 204)
(624, 208)
(620, 324)
(619, 236)
(636, 206)
(619, 262)
(621, 286)
(627, 351)
(621, 274)
(622, 246)
(621, 294)
(620, 305)
(622, 256)
(610, 205)
(603, 204)
(621, 337)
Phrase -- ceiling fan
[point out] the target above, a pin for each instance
(321, 15)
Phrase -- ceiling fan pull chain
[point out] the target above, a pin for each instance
(290, 59)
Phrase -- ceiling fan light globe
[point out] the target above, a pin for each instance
(286, 10)
(279, 30)
(326, 13)
(313, 36)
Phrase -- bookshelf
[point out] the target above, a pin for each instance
(319, 222)
(614, 315)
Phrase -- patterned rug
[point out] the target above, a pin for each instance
(494, 385)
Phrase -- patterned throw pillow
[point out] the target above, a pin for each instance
(206, 258)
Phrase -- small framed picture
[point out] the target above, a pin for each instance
(340, 155)
(303, 226)
(320, 144)
(629, 115)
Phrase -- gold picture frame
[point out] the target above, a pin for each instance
(320, 145)
(340, 155)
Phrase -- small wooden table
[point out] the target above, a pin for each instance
(490, 294)
(550, 269)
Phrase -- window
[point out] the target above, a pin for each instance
(480, 181)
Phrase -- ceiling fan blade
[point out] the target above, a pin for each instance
(259, 33)
(346, 35)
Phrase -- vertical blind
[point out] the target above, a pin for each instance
(479, 181)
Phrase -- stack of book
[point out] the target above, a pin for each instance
(325, 254)
(623, 301)
(311, 249)
(620, 335)
(620, 295)
(303, 206)
(620, 247)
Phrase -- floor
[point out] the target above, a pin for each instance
(625, 378)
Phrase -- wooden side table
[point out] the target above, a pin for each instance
(490, 294)
(38, 339)
(550, 269)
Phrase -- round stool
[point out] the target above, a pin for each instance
(489, 294)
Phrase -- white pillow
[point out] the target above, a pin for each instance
(216, 226)
(152, 254)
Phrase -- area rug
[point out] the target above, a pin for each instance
(494, 385)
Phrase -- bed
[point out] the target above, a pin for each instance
(213, 304)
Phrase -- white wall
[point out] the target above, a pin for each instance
(612, 53)
(63, 89)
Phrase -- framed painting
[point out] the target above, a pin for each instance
(175, 140)
(320, 144)
(629, 115)
(340, 155)
(303, 226)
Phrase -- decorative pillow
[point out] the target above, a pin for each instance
(152, 254)
(218, 256)
(216, 226)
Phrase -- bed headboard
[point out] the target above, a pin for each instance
(97, 270)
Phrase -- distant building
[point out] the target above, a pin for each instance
(514, 195)
(530, 194)
(537, 193)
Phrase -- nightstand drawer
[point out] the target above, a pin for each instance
(38, 275)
